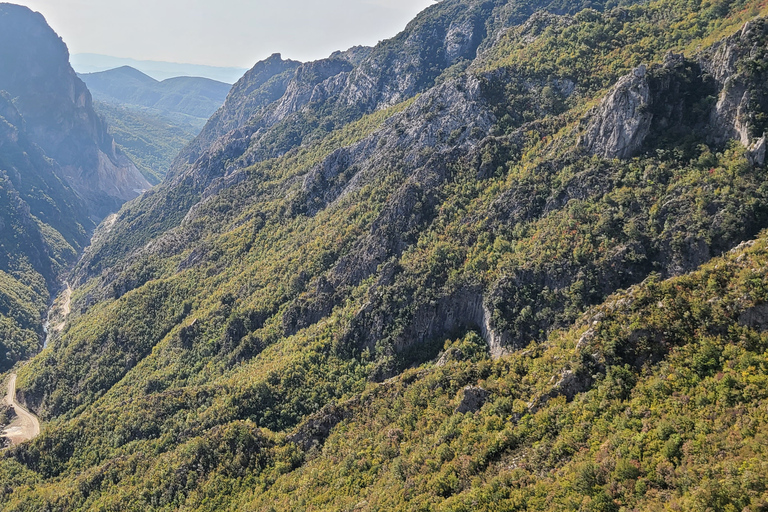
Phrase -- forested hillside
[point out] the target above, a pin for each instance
(511, 259)
(152, 139)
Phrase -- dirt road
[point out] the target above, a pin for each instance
(25, 425)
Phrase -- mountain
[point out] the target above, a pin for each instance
(511, 259)
(153, 121)
(59, 175)
(94, 63)
(152, 139)
(44, 225)
(58, 112)
(195, 97)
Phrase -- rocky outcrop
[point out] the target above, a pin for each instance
(663, 98)
(313, 432)
(472, 399)
(735, 63)
(450, 116)
(756, 153)
(622, 121)
(262, 85)
(314, 82)
(755, 318)
(38, 185)
(656, 102)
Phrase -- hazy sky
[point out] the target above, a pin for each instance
(223, 32)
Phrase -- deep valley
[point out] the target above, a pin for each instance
(513, 258)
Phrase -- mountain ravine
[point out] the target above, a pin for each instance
(512, 258)
(60, 174)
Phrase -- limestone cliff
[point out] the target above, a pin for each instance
(58, 112)
(660, 98)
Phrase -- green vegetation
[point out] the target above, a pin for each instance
(42, 229)
(674, 418)
(150, 138)
(241, 341)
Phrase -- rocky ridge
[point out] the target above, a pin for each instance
(663, 98)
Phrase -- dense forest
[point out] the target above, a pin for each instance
(513, 258)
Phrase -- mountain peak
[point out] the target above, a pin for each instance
(124, 73)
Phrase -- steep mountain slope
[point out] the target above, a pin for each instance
(59, 173)
(290, 320)
(58, 112)
(43, 226)
(652, 401)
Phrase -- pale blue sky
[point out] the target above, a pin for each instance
(223, 32)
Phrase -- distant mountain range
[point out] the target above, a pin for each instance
(153, 120)
(93, 63)
(195, 97)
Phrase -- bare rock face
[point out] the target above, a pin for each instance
(729, 118)
(756, 152)
(622, 121)
(571, 384)
(314, 82)
(458, 40)
(472, 399)
(755, 317)
(741, 83)
(317, 428)
(58, 112)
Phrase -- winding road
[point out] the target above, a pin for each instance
(25, 425)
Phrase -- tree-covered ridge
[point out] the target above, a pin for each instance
(651, 399)
(228, 329)
(195, 97)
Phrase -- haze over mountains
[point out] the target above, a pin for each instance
(94, 63)
(195, 97)
(513, 258)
